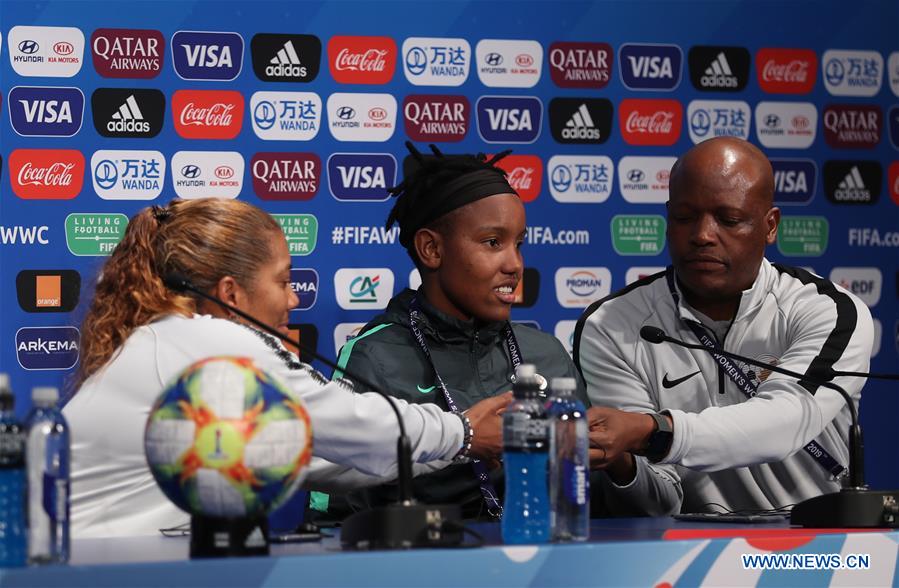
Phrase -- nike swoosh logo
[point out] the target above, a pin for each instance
(425, 390)
(666, 383)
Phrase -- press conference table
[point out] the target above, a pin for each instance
(621, 552)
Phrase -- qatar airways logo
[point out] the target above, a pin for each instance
(650, 122)
(852, 125)
(580, 65)
(786, 71)
(286, 176)
(207, 114)
(362, 60)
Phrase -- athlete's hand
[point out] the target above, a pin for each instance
(487, 424)
(614, 436)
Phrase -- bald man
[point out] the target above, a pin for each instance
(690, 432)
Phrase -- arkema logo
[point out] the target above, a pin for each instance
(286, 58)
(45, 111)
(48, 290)
(203, 55)
(128, 175)
(363, 288)
(580, 178)
(864, 282)
(786, 125)
(304, 283)
(127, 53)
(361, 177)
(712, 118)
(852, 73)
(580, 120)
(134, 113)
(53, 52)
(509, 119)
(47, 348)
(794, 181)
(207, 174)
(578, 287)
(650, 67)
(719, 69)
(853, 182)
(429, 61)
(286, 116)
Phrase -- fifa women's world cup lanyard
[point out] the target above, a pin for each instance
(494, 508)
(746, 384)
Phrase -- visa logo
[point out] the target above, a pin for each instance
(790, 182)
(794, 180)
(200, 55)
(509, 119)
(361, 176)
(46, 111)
(650, 67)
(208, 55)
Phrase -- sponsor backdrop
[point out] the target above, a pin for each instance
(303, 108)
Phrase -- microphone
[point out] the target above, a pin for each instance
(399, 526)
(854, 505)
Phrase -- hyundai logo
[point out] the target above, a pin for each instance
(772, 120)
(190, 171)
(28, 47)
(416, 61)
(106, 174)
(561, 178)
(264, 114)
(493, 59)
(834, 72)
(346, 112)
(635, 175)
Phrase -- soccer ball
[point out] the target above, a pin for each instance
(227, 440)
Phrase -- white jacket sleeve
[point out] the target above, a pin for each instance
(612, 381)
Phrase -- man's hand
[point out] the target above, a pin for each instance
(487, 424)
(614, 436)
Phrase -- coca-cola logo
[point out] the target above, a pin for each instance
(786, 71)
(224, 172)
(650, 122)
(524, 173)
(362, 60)
(207, 114)
(46, 174)
(524, 60)
(286, 176)
(63, 48)
(377, 113)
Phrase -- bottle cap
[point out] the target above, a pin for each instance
(563, 384)
(44, 395)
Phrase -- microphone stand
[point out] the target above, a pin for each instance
(406, 524)
(854, 505)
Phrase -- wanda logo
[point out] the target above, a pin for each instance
(524, 60)
(63, 48)
(377, 113)
(207, 114)
(224, 172)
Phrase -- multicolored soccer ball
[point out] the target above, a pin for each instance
(227, 440)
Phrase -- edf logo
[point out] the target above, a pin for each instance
(304, 283)
(47, 348)
(201, 55)
(46, 112)
(509, 119)
(361, 176)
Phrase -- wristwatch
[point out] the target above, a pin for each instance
(659, 442)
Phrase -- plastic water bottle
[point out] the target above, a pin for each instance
(569, 481)
(13, 541)
(47, 458)
(526, 457)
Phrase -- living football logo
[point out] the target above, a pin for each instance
(207, 114)
(853, 182)
(206, 56)
(46, 174)
(713, 118)
(361, 177)
(650, 67)
(786, 125)
(286, 58)
(362, 117)
(134, 113)
(580, 65)
(286, 176)
(580, 178)
(436, 118)
(509, 119)
(794, 181)
(127, 53)
(53, 52)
(719, 69)
(94, 233)
(48, 290)
(852, 125)
(128, 175)
(286, 116)
(786, 71)
(852, 73)
(362, 60)
(580, 120)
(650, 122)
(509, 64)
(207, 174)
(45, 111)
(429, 61)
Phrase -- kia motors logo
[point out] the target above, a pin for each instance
(286, 116)
(509, 64)
(362, 60)
(361, 177)
(207, 114)
(430, 117)
(207, 174)
(363, 288)
(48, 290)
(719, 69)
(650, 122)
(852, 125)
(852, 73)
(864, 282)
(524, 173)
(575, 178)
(650, 67)
(580, 120)
(853, 182)
(286, 58)
(47, 348)
(580, 65)
(644, 180)
(786, 71)
(55, 52)
(133, 113)
(578, 287)
(711, 118)
(362, 117)
(786, 125)
(377, 113)
(509, 119)
(794, 181)
(46, 174)
(127, 53)
(205, 56)
(435, 61)
(286, 176)
(304, 283)
(128, 175)
(45, 111)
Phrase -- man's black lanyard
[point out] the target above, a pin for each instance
(745, 383)
(494, 508)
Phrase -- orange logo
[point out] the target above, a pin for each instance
(48, 291)
(362, 60)
(207, 114)
(46, 174)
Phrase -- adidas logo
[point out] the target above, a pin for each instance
(719, 74)
(852, 188)
(286, 63)
(128, 118)
(580, 125)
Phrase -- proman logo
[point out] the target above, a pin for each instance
(46, 174)
(363, 288)
(48, 290)
(578, 287)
